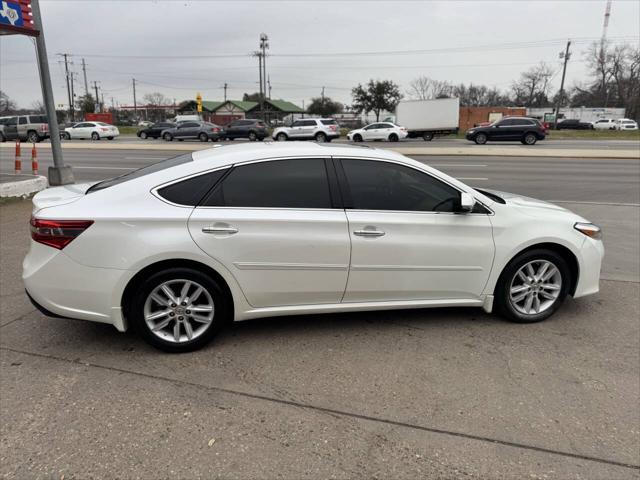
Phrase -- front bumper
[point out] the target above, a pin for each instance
(590, 264)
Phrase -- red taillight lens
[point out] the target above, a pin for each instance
(57, 233)
(216, 129)
(104, 129)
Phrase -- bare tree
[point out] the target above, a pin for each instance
(425, 88)
(156, 99)
(7, 105)
(532, 88)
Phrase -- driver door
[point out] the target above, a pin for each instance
(406, 241)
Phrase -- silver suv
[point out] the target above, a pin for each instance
(31, 128)
(318, 129)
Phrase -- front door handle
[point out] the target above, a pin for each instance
(229, 230)
(369, 233)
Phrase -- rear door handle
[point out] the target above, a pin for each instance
(229, 230)
(369, 233)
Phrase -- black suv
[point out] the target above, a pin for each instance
(155, 130)
(574, 124)
(526, 130)
(246, 128)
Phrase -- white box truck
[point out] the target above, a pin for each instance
(426, 118)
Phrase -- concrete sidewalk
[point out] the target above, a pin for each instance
(506, 150)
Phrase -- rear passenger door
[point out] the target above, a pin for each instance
(276, 226)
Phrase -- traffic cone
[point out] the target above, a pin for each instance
(18, 163)
(34, 160)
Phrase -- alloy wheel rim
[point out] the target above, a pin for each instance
(535, 287)
(179, 311)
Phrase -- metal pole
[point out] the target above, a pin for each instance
(73, 98)
(95, 85)
(66, 74)
(225, 91)
(260, 74)
(86, 84)
(561, 93)
(135, 105)
(59, 174)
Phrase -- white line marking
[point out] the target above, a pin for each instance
(472, 178)
(443, 165)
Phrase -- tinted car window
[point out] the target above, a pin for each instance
(38, 119)
(22, 120)
(376, 185)
(141, 172)
(189, 125)
(281, 183)
(329, 122)
(189, 192)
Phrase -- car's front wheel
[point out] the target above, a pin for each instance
(179, 309)
(532, 286)
(281, 137)
(480, 139)
(143, 135)
(357, 137)
(167, 137)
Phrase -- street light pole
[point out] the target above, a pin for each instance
(59, 174)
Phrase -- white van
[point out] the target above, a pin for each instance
(187, 118)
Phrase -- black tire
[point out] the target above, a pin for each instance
(427, 136)
(530, 139)
(95, 136)
(109, 138)
(143, 135)
(167, 137)
(2, 138)
(181, 139)
(480, 138)
(252, 136)
(282, 137)
(320, 137)
(357, 137)
(66, 136)
(502, 301)
(33, 137)
(393, 137)
(203, 137)
(135, 310)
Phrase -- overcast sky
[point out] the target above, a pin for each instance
(178, 48)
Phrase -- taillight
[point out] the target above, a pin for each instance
(57, 233)
(104, 129)
(215, 129)
(44, 127)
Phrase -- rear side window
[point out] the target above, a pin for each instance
(189, 192)
(376, 185)
(22, 120)
(329, 122)
(299, 183)
(38, 119)
(141, 172)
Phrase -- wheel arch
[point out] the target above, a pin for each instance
(563, 251)
(152, 268)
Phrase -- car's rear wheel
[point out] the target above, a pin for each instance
(480, 139)
(427, 136)
(532, 286)
(2, 138)
(167, 137)
(179, 309)
(357, 137)
(252, 136)
(530, 139)
(393, 137)
(33, 137)
(203, 137)
(281, 137)
(95, 136)
(109, 138)
(143, 135)
(320, 137)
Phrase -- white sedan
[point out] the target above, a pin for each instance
(92, 130)
(179, 248)
(378, 131)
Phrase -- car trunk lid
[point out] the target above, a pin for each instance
(52, 197)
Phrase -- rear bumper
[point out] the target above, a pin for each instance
(58, 285)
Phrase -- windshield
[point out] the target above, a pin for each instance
(141, 172)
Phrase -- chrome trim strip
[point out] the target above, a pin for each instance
(416, 268)
(289, 266)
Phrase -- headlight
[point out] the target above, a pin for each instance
(471, 131)
(589, 229)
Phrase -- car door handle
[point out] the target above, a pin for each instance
(369, 233)
(229, 230)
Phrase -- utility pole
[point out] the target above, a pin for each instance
(225, 91)
(95, 85)
(73, 98)
(135, 104)
(59, 174)
(84, 72)
(322, 99)
(269, 82)
(264, 44)
(259, 55)
(66, 75)
(566, 55)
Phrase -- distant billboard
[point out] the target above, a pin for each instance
(16, 18)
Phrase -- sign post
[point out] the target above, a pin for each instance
(22, 17)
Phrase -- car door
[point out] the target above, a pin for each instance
(231, 130)
(370, 132)
(11, 128)
(296, 129)
(308, 128)
(407, 242)
(187, 130)
(81, 130)
(273, 225)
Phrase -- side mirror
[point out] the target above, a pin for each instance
(467, 202)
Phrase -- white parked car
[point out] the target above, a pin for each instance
(378, 131)
(318, 129)
(179, 248)
(604, 124)
(92, 130)
(626, 124)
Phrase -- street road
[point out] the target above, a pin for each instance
(405, 394)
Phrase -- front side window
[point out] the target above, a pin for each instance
(22, 120)
(299, 183)
(376, 185)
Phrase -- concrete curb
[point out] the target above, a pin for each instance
(23, 188)
(471, 150)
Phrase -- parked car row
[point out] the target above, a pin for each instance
(205, 131)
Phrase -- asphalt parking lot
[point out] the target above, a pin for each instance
(434, 393)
